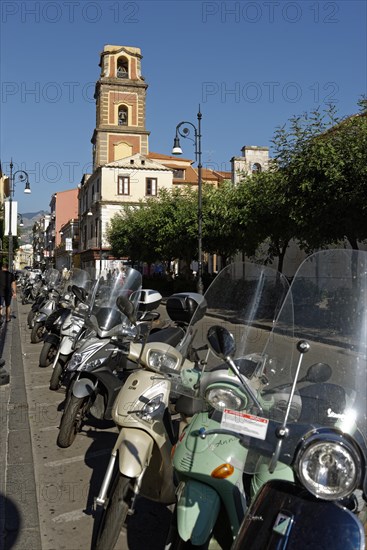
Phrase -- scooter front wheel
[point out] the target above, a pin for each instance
(114, 515)
(37, 333)
(55, 380)
(30, 317)
(72, 419)
(47, 354)
(175, 542)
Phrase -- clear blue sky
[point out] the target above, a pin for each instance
(250, 64)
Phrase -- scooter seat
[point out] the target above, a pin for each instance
(168, 335)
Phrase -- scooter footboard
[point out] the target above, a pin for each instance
(135, 450)
(197, 511)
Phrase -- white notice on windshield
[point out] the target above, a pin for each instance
(246, 424)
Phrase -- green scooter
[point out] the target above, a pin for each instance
(209, 461)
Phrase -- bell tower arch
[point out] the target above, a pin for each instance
(120, 96)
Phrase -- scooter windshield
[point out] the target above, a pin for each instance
(304, 371)
(105, 314)
(326, 339)
(52, 277)
(244, 298)
(81, 278)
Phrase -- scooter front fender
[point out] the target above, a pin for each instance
(52, 338)
(197, 511)
(66, 346)
(39, 317)
(83, 387)
(135, 450)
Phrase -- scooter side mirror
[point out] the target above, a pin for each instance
(221, 342)
(79, 292)
(126, 307)
(317, 373)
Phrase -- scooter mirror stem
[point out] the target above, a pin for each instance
(302, 346)
(244, 381)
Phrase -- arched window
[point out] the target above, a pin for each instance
(122, 69)
(123, 115)
(256, 168)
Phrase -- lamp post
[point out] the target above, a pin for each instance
(22, 176)
(100, 245)
(183, 130)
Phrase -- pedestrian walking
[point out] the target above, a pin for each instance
(8, 289)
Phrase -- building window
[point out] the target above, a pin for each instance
(122, 70)
(123, 185)
(151, 186)
(122, 115)
(179, 174)
(256, 168)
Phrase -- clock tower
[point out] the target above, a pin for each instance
(120, 96)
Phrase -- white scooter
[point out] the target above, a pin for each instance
(142, 412)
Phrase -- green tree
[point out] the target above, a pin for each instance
(132, 234)
(161, 229)
(266, 215)
(223, 220)
(324, 161)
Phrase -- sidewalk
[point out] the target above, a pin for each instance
(19, 520)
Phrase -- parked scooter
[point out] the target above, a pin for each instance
(41, 311)
(97, 370)
(314, 414)
(73, 330)
(30, 287)
(61, 296)
(211, 496)
(41, 288)
(52, 335)
(140, 462)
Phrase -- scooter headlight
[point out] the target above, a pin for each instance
(221, 398)
(151, 407)
(329, 469)
(162, 362)
(75, 361)
(153, 404)
(91, 365)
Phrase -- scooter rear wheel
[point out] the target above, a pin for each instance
(114, 515)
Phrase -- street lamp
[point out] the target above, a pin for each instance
(183, 131)
(22, 176)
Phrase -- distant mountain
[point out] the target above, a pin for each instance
(31, 215)
(29, 219)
